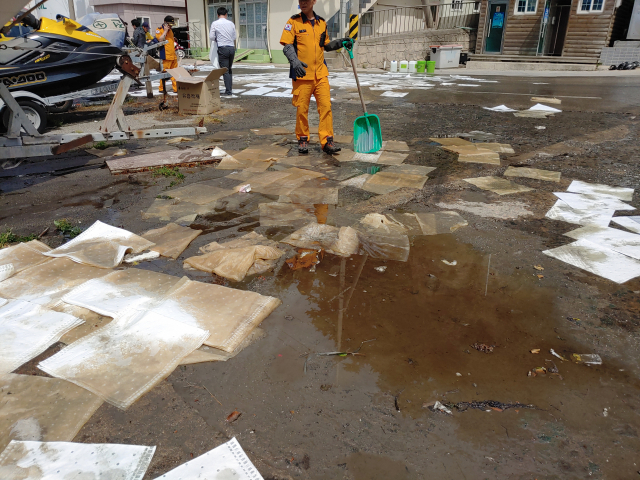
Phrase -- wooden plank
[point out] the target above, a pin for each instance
(65, 147)
(171, 158)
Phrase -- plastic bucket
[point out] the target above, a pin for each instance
(431, 66)
(420, 66)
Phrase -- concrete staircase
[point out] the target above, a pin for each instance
(258, 56)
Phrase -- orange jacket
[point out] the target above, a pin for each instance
(169, 48)
(306, 40)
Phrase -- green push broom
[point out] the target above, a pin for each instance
(367, 134)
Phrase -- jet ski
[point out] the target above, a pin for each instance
(58, 57)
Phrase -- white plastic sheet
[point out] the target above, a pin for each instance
(630, 223)
(27, 330)
(127, 358)
(101, 245)
(597, 216)
(66, 460)
(21, 256)
(226, 462)
(622, 193)
(611, 238)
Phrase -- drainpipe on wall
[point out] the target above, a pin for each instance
(268, 30)
(427, 13)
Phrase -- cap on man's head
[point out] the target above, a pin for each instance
(145, 25)
(169, 19)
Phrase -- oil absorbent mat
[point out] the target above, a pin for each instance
(27, 330)
(236, 263)
(386, 182)
(611, 238)
(496, 147)
(440, 222)
(66, 460)
(473, 154)
(170, 157)
(600, 215)
(168, 209)
(21, 256)
(210, 354)
(630, 223)
(451, 141)
(101, 245)
(621, 193)
(392, 158)
(289, 180)
(228, 314)
(313, 195)
(122, 291)
(286, 214)
(598, 260)
(171, 240)
(127, 358)
(395, 146)
(497, 185)
(46, 284)
(410, 169)
(341, 241)
(383, 238)
(199, 193)
(226, 461)
(42, 409)
(534, 173)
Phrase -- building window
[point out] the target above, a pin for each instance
(587, 6)
(456, 5)
(527, 6)
(476, 7)
(144, 19)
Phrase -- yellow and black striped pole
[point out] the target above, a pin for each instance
(353, 27)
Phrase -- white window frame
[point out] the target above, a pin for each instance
(516, 12)
(144, 19)
(476, 6)
(586, 12)
(456, 4)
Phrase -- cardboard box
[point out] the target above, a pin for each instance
(197, 95)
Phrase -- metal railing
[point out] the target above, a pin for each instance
(393, 21)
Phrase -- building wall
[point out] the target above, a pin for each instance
(588, 33)
(372, 52)
(521, 33)
(621, 21)
(143, 8)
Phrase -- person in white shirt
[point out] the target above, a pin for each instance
(223, 32)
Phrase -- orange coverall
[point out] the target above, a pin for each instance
(171, 59)
(306, 39)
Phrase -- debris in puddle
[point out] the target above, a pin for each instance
(325, 387)
(541, 127)
(538, 267)
(305, 258)
(233, 416)
(458, 374)
(438, 407)
(244, 188)
(587, 358)
(483, 347)
(380, 269)
(395, 403)
(540, 277)
(534, 372)
(535, 350)
(345, 354)
(605, 412)
(488, 405)
(447, 262)
(553, 352)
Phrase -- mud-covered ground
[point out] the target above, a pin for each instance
(365, 417)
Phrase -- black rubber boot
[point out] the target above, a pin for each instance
(303, 145)
(330, 147)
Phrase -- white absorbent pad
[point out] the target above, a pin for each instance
(45, 284)
(42, 409)
(228, 461)
(74, 461)
(122, 291)
(27, 330)
(21, 256)
(228, 314)
(101, 245)
(127, 358)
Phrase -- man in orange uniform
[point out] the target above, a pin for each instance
(305, 39)
(167, 52)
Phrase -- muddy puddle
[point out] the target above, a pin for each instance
(424, 317)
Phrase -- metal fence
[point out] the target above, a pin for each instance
(393, 21)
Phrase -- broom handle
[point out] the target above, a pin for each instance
(364, 107)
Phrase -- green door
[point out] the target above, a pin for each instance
(495, 27)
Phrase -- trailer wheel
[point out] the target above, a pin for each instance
(34, 111)
(60, 107)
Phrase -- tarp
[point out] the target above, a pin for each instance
(107, 25)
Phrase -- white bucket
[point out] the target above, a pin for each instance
(412, 67)
(404, 66)
(394, 66)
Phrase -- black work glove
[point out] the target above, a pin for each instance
(297, 66)
(338, 43)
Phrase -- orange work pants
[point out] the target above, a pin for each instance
(167, 64)
(302, 91)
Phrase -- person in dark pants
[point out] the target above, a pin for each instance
(223, 32)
